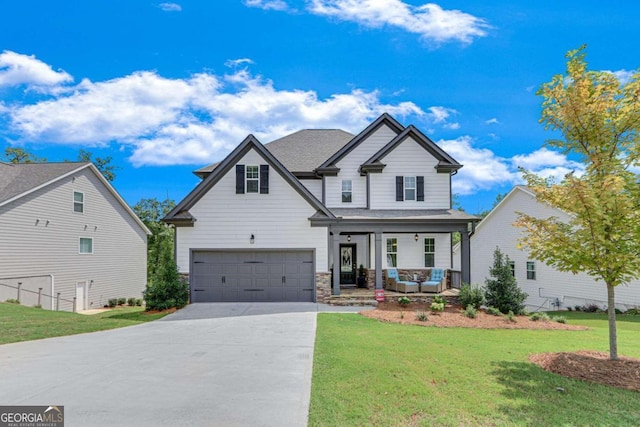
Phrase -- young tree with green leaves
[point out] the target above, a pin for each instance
(599, 120)
(501, 290)
(103, 164)
(160, 243)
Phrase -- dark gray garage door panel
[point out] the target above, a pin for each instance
(278, 275)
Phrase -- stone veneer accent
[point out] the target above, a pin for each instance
(323, 287)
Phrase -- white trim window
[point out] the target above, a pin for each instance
(78, 202)
(252, 181)
(531, 270)
(85, 245)
(392, 252)
(347, 191)
(409, 187)
(429, 252)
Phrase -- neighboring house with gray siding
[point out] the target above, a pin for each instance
(293, 219)
(65, 229)
(546, 286)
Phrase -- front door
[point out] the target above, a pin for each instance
(348, 264)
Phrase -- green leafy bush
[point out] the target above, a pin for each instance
(591, 308)
(437, 307)
(577, 307)
(494, 311)
(440, 300)
(131, 302)
(470, 312)
(540, 315)
(13, 301)
(139, 302)
(633, 311)
(502, 291)
(404, 301)
(122, 301)
(113, 302)
(422, 316)
(559, 319)
(471, 296)
(510, 316)
(167, 289)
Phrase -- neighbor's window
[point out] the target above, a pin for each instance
(346, 191)
(86, 245)
(512, 266)
(392, 252)
(531, 270)
(409, 187)
(429, 252)
(253, 179)
(78, 202)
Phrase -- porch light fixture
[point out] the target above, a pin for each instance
(252, 239)
(416, 237)
(348, 237)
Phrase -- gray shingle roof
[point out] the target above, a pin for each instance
(18, 178)
(302, 151)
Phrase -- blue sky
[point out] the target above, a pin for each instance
(165, 88)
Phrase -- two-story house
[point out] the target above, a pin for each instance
(294, 219)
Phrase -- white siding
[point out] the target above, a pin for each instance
(411, 253)
(497, 230)
(410, 159)
(225, 219)
(349, 170)
(314, 186)
(40, 236)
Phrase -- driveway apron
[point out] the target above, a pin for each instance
(249, 367)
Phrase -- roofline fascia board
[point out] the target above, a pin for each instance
(385, 118)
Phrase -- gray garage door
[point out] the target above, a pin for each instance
(229, 276)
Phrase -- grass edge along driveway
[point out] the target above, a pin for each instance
(372, 373)
(20, 323)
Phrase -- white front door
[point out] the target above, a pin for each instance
(81, 296)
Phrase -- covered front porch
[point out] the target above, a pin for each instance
(405, 240)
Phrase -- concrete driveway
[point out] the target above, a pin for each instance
(219, 364)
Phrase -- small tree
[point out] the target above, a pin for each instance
(502, 292)
(166, 289)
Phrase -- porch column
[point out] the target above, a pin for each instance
(378, 260)
(335, 247)
(465, 259)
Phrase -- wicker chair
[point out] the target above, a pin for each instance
(400, 284)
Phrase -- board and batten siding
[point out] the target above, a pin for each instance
(40, 236)
(410, 159)
(226, 220)
(349, 166)
(497, 230)
(411, 253)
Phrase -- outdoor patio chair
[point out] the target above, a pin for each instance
(436, 282)
(398, 283)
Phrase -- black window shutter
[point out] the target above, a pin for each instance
(264, 179)
(420, 188)
(399, 188)
(239, 179)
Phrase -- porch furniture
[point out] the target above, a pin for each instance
(436, 282)
(397, 283)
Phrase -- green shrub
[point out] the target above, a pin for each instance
(440, 300)
(139, 302)
(122, 301)
(569, 308)
(494, 311)
(37, 306)
(113, 302)
(633, 311)
(404, 301)
(167, 289)
(540, 315)
(422, 316)
(501, 290)
(559, 319)
(591, 308)
(13, 301)
(131, 302)
(437, 307)
(471, 296)
(577, 307)
(510, 316)
(470, 312)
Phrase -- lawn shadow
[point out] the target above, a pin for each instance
(537, 397)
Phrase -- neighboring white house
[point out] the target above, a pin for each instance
(267, 222)
(65, 233)
(546, 286)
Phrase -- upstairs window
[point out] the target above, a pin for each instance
(78, 202)
(531, 270)
(512, 266)
(392, 252)
(429, 252)
(346, 191)
(409, 187)
(86, 245)
(252, 179)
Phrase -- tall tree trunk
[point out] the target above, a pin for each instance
(613, 335)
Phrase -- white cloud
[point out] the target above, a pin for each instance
(541, 158)
(430, 21)
(17, 69)
(492, 121)
(232, 63)
(170, 7)
(624, 76)
(267, 4)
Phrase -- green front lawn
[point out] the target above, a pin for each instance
(372, 373)
(21, 323)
